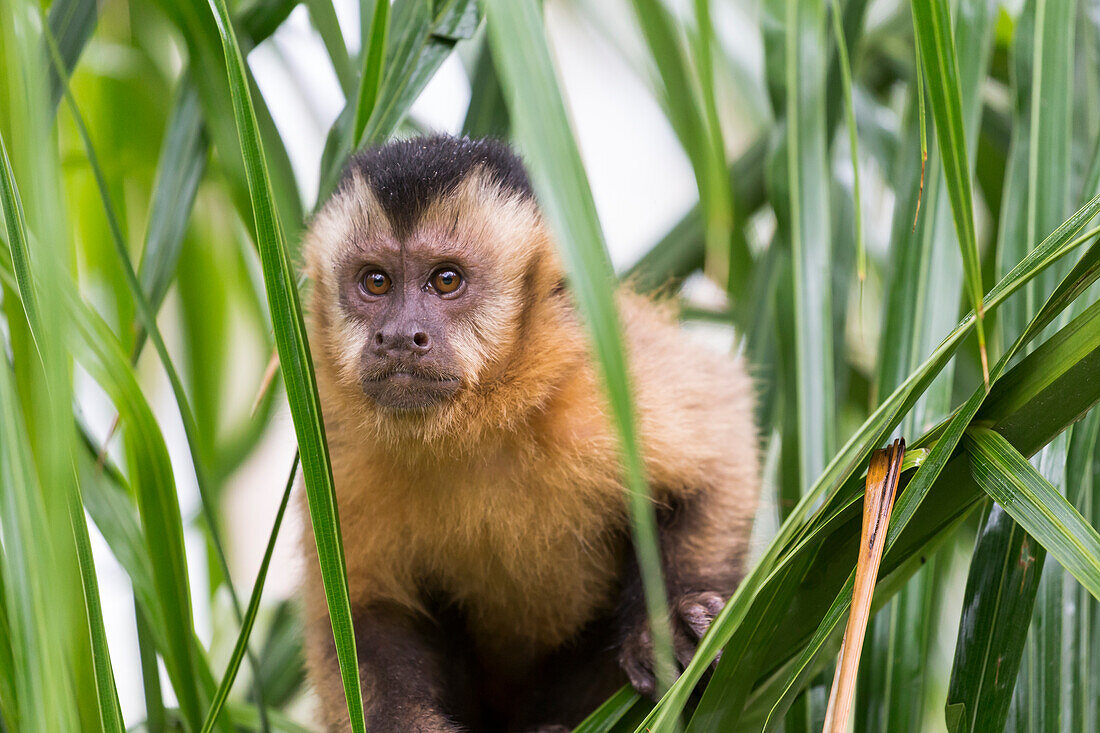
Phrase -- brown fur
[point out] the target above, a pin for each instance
(507, 502)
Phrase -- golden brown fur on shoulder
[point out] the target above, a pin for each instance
(502, 503)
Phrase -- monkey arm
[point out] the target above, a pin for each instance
(701, 559)
(400, 673)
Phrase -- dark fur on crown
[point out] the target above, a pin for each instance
(406, 176)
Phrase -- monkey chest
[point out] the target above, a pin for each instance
(527, 580)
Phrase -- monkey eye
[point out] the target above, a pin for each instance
(445, 280)
(375, 282)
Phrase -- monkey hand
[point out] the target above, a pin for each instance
(691, 617)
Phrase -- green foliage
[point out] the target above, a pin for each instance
(114, 152)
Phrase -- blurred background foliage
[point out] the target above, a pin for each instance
(865, 174)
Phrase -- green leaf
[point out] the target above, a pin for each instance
(611, 716)
(541, 127)
(1000, 593)
(487, 114)
(853, 140)
(420, 39)
(151, 474)
(370, 79)
(179, 171)
(253, 607)
(72, 23)
(50, 646)
(16, 223)
(323, 15)
(109, 709)
(688, 101)
(937, 50)
(1031, 500)
(799, 186)
(297, 369)
(811, 248)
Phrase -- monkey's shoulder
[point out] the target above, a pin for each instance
(694, 404)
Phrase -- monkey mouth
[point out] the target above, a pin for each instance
(409, 388)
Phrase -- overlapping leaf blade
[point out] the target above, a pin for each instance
(297, 369)
(1043, 512)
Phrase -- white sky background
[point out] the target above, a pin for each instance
(642, 184)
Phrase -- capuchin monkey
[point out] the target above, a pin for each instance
(478, 474)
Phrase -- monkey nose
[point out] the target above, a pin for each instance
(410, 341)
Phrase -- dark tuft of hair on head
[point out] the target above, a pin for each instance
(406, 176)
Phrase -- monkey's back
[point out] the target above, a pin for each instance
(694, 404)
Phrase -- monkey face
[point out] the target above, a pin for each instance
(410, 304)
(420, 314)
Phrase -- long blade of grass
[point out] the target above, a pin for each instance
(16, 224)
(922, 116)
(38, 682)
(155, 718)
(253, 608)
(35, 389)
(421, 36)
(732, 258)
(151, 474)
(1083, 447)
(531, 88)
(942, 73)
(1033, 502)
(1050, 163)
(853, 138)
(809, 230)
(72, 23)
(1049, 141)
(110, 711)
(1035, 197)
(687, 99)
(179, 170)
(298, 377)
(612, 715)
(9, 703)
(993, 626)
(370, 78)
(323, 15)
(487, 113)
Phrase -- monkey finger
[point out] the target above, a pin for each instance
(697, 610)
(641, 677)
(684, 647)
(636, 660)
